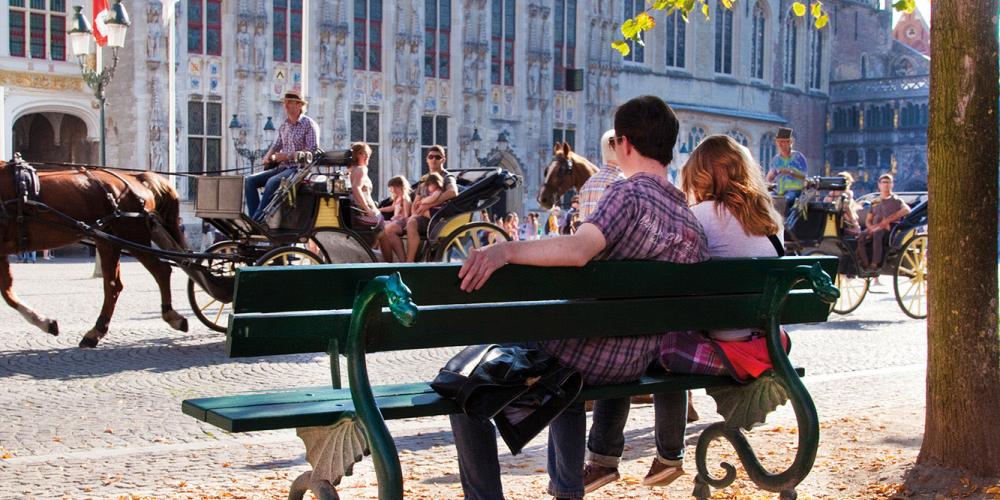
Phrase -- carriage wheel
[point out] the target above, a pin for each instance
(211, 312)
(853, 289)
(460, 243)
(289, 256)
(910, 278)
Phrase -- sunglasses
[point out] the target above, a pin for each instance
(434, 157)
(612, 141)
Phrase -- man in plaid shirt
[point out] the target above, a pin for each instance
(641, 218)
(297, 133)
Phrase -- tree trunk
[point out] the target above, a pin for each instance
(963, 350)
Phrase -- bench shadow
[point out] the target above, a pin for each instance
(847, 325)
(158, 355)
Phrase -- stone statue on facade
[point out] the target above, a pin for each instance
(325, 54)
(340, 61)
(260, 47)
(242, 45)
(155, 34)
(533, 78)
(416, 62)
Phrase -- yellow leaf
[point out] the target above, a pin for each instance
(817, 9)
(704, 10)
(822, 21)
(798, 8)
(630, 29)
(645, 22)
(621, 47)
(661, 4)
(728, 3)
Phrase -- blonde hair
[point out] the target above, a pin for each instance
(607, 152)
(848, 177)
(722, 170)
(358, 147)
(403, 184)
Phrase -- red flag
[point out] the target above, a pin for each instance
(102, 12)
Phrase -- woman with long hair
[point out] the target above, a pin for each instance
(365, 214)
(729, 197)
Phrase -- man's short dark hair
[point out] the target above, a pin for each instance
(437, 148)
(650, 125)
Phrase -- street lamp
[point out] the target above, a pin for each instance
(239, 140)
(99, 78)
(476, 141)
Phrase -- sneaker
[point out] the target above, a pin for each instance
(661, 474)
(595, 476)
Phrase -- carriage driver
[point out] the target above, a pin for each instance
(297, 133)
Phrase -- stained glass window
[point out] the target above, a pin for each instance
(368, 35)
(676, 40)
(757, 41)
(433, 130)
(791, 47)
(723, 39)
(437, 38)
(565, 41)
(502, 42)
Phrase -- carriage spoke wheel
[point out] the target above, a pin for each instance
(853, 289)
(460, 244)
(289, 256)
(910, 278)
(211, 312)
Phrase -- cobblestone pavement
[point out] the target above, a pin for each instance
(107, 422)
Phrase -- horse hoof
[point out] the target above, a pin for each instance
(88, 343)
(54, 328)
(183, 325)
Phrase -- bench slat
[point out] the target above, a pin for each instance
(259, 289)
(255, 334)
(253, 412)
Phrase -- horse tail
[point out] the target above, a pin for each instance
(168, 204)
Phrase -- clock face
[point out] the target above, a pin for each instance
(911, 32)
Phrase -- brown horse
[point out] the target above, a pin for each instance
(566, 170)
(92, 196)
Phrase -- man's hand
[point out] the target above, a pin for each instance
(481, 265)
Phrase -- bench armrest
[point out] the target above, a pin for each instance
(779, 284)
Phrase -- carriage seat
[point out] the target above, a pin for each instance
(480, 194)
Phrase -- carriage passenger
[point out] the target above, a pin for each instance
(886, 210)
(424, 204)
(846, 204)
(365, 214)
(400, 193)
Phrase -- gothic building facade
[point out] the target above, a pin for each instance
(404, 75)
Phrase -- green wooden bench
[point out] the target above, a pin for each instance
(339, 309)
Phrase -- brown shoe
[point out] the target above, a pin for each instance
(595, 476)
(692, 413)
(642, 399)
(661, 474)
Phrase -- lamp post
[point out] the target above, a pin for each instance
(476, 141)
(239, 141)
(99, 78)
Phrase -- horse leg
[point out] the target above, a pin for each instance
(111, 268)
(7, 290)
(161, 273)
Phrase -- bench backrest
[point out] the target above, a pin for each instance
(289, 310)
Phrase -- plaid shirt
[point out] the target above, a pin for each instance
(642, 218)
(295, 136)
(592, 190)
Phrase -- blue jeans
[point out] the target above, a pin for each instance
(606, 442)
(479, 465)
(269, 180)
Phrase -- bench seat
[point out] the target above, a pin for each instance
(323, 405)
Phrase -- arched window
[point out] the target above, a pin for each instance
(723, 39)
(739, 137)
(791, 47)
(815, 58)
(676, 38)
(864, 65)
(767, 149)
(852, 157)
(885, 159)
(757, 41)
(695, 135)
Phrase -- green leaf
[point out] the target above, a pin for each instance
(799, 9)
(822, 20)
(905, 5)
(630, 29)
(622, 47)
(817, 9)
(662, 4)
(688, 6)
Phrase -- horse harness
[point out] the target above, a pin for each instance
(27, 196)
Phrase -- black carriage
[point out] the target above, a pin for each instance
(816, 226)
(309, 222)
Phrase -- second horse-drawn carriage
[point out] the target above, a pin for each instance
(309, 222)
(818, 225)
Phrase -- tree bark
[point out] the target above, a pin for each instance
(963, 349)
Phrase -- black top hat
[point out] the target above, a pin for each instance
(784, 133)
